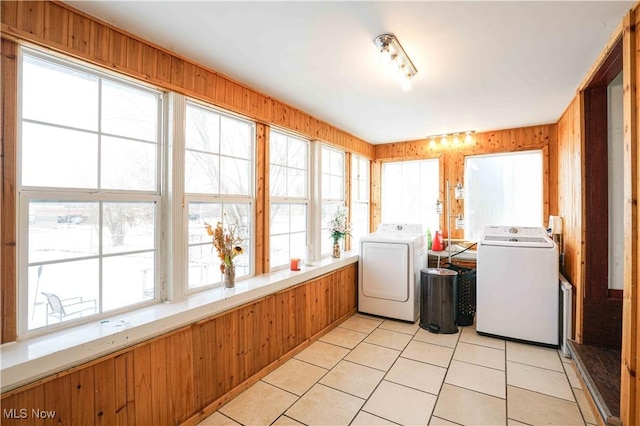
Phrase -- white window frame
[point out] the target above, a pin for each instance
(217, 198)
(288, 200)
(53, 194)
(469, 189)
(360, 177)
(325, 244)
(426, 206)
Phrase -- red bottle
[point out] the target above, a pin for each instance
(438, 242)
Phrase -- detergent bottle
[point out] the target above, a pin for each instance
(429, 241)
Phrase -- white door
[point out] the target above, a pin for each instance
(385, 270)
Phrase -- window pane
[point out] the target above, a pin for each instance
(363, 190)
(202, 129)
(359, 200)
(336, 188)
(362, 177)
(279, 250)
(56, 157)
(236, 137)
(73, 284)
(328, 210)
(298, 217)
(288, 179)
(278, 181)
(129, 112)
(199, 213)
(409, 192)
(503, 189)
(59, 95)
(128, 227)
(128, 164)
(240, 215)
(202, 173)
(297, 154)
(337, 163)
(279, 222)
(298, 245)
(62, 230)
(204, 265)
(203, 261)
(219, 152)
(360, 222)
(297, 183)
(76, 239)
(127, 280)
(234, 176)
(278, 148)
(288, 232)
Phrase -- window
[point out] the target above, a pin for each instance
(502, 189)
(89, 191)
(289, 189)
(410, 190)
(218, 163)
(359, 198)
(333, 194)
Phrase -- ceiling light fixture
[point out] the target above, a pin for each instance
(393, 54)
(456, 138)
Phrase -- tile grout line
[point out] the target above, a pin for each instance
(395, 361)
(445, 376)
(537, 366)
(546, 394)
(506, 383)
(573, 390)
(381, 380)
(317, 382)
(376, 387)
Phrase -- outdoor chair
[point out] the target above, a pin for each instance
(62, 308)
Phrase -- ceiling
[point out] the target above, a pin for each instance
(481, 65)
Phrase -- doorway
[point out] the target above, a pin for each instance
(602, 324)
(599, 353)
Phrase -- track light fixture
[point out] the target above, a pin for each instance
(456, 139)
(393, 54)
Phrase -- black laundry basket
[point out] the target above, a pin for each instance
(466, 294)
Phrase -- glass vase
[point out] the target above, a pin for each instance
(230, 276)
(336, 249)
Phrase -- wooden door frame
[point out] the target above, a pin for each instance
(602, 314)
(629, 379)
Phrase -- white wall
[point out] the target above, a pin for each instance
(615, 153)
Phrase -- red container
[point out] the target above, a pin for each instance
(438, 242)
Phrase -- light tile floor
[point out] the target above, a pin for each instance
(375, 371)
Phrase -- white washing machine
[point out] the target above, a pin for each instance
(517, 285)
(389, 271)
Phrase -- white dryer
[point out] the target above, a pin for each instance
(518, 285)
(389, 271)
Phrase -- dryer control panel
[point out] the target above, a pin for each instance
(400, 228)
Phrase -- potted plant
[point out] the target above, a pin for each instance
(338, 228)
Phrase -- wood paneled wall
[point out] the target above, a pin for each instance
(629, 379)
(187, 374)
(59, 27)
(542, 137)
(570, 202)
(8, 147)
